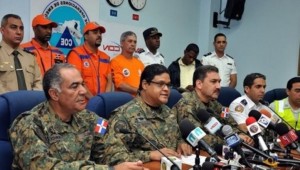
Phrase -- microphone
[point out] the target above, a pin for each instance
(174, 165)
(254, 130)
(194, 136)
(211, 124)
(286, 136)
(262, 119)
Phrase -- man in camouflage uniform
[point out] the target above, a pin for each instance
(148, 116)
(59, 133)
(206, 82)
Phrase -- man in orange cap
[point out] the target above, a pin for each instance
(93, 64)
(46, 55)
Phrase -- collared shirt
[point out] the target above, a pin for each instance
(42, 141)
(225, 64)
(8, 77)
(186, 73)
(241, 106)
(147, 57)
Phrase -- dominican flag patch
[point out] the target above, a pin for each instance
(101, 126)
(225, 112)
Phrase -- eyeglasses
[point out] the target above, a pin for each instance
(161, 84)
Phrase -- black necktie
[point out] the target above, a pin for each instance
(19, 72)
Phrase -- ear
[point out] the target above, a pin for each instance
(199, 84)
(246, 89)
(144, 84)
(287, 91)
(54, 94)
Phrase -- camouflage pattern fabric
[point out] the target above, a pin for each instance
(156, 124)
(188, 106)
(41, 140)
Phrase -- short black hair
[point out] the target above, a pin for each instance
(7, 16)
(290, 83)
(249, 79)
(219, 35)
(201, 72)
(192, 47)
(150, 72)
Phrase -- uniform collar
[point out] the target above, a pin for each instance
(8, 49)
(152, 113)
(214, 54)
(147, 51)
(251, 104)
(88, 51)
(38, 45)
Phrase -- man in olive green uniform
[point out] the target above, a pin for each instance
(148, 116)
(206, 82)
(59, 133)
(18, 68)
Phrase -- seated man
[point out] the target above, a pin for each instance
(182, 69)
(289, 108)
(148, 116)
(59, 133)
(206, 82)
(254, 88)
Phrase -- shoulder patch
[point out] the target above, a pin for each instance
(205, 55)
(244, 102)
(229, 56)
(140, 50)
(239, 108)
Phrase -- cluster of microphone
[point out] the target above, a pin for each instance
(257, 124)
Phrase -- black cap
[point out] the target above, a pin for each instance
(151, 32)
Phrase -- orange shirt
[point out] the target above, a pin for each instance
(45, 58)
(94, 68)
(126, 70)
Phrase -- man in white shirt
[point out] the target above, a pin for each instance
(150, 55)
(222, 61)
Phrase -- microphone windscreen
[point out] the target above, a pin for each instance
(254, 113)
(209, 110)
(250, 120)
(208, 165)
(202, 115)
(186, 127)
(266, 113)
(281, 129)
(226, 130)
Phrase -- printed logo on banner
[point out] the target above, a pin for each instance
(71, 18)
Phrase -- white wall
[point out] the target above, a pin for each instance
(266, 40)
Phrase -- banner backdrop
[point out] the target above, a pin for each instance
(72, 15)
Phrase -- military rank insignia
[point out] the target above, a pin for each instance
(101, 126)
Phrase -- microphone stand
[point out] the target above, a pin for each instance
(288, 153)
(197, 165)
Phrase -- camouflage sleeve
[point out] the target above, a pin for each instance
(30, 151)
(118, 146)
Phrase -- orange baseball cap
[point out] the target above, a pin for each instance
(42, 20)
(92, 26)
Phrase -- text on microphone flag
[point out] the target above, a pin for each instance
(101, 126)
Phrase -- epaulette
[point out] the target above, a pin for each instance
(27, 51)
(229, 56)
(244, 102)
(162, 55)
(205, 55)
(140, 50)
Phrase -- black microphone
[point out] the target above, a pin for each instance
(262, 120)
(211, 124)
(126, 131)
(194, 135)
(287, 137)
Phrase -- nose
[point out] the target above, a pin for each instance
(218, 85)
(82, 90)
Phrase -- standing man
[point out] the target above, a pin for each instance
(60, 133)
(18, 68)
(182, 69)
(45, 54)
(254, 88)
(148, 116)
(93, 64)
(150, 55)
(127, 69)
(289, 108)
(222, 61)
